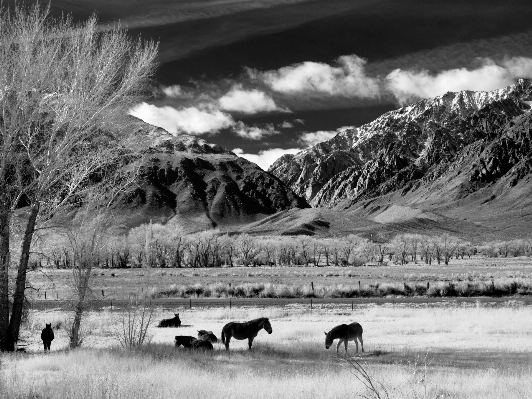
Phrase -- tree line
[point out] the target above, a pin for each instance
(158, 246)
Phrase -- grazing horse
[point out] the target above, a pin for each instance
(184, 340)
(345, 332)
(47, 336)
(247, 330)
(175, 322)
(205, 335)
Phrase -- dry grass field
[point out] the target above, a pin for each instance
(120, 283)
(423, 351)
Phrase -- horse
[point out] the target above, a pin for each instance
(184, 340)
(248, 330)
(175, 322)
(345, 332)
(201, 344)
(205, 335)
(47, 336)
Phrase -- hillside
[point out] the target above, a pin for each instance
(187, 181)
(460, 163)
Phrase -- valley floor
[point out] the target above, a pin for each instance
(469, 350)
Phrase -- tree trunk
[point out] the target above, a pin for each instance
(18, 297)
(4, 273)
(83, 284)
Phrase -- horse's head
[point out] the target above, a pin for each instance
(48, 326)
(176, 315)
(266, 325)
(328, 340)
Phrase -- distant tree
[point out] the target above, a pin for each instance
(65, 89)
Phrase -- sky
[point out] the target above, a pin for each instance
(268, 77)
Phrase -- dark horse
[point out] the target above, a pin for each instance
(184, 340)
(175, 322)
(47, 336)
(247, 330)
(205, 335)
(345, 332)
(192, 343)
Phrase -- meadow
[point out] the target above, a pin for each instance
(411, 351)
(287, 282)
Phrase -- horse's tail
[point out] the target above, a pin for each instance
(223, 335)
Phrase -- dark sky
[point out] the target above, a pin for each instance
(206, 46)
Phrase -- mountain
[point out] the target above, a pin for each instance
(464, 155)
(186, 181)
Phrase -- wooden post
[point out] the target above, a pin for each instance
(428, 285)
(44, 294)
(352, 306)
(190, 303)
(111, 304)
(103, 293)
(311, 302)
(230, 303)
(359, 286)
(312, 286)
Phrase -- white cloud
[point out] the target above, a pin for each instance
(286, 125)
(347, 79)
(409, 85)
(254, 132)
(310, 139)
(190, 120)
(267, 157)
(247, 101)
(173, 91)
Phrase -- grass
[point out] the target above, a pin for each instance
(120, 283)
(429, 351)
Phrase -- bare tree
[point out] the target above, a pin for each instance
(64, 90)
(86, 240)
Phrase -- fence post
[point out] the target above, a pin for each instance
(103, 294)
(428, 285)
(312, 286)
(190, 303)
(311, 302)
(230, 303)
(44, 294)
(111, 304)
(359, 286)
(352, 307)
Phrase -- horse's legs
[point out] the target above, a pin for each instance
(356, 343)
(361, 342)
(345, 344)
(227, 339)
(250, 342)
(338, 344)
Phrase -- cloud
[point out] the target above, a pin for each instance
(190, 120)
(247, 101)
(286, 125)
(310, 139)
(347, 79)
(409, 85)
(173, 91)
(267, 157)
(254, 132)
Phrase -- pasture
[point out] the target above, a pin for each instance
(470, 350)
(121, 283)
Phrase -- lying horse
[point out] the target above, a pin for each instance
(345, 332)
(203, 345)
(205, 335)
(175, 322)
(184, 340)
(247, 330)
(47, 336)
(192, 343)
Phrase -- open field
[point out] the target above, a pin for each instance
(426, 351)
(120, 283)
